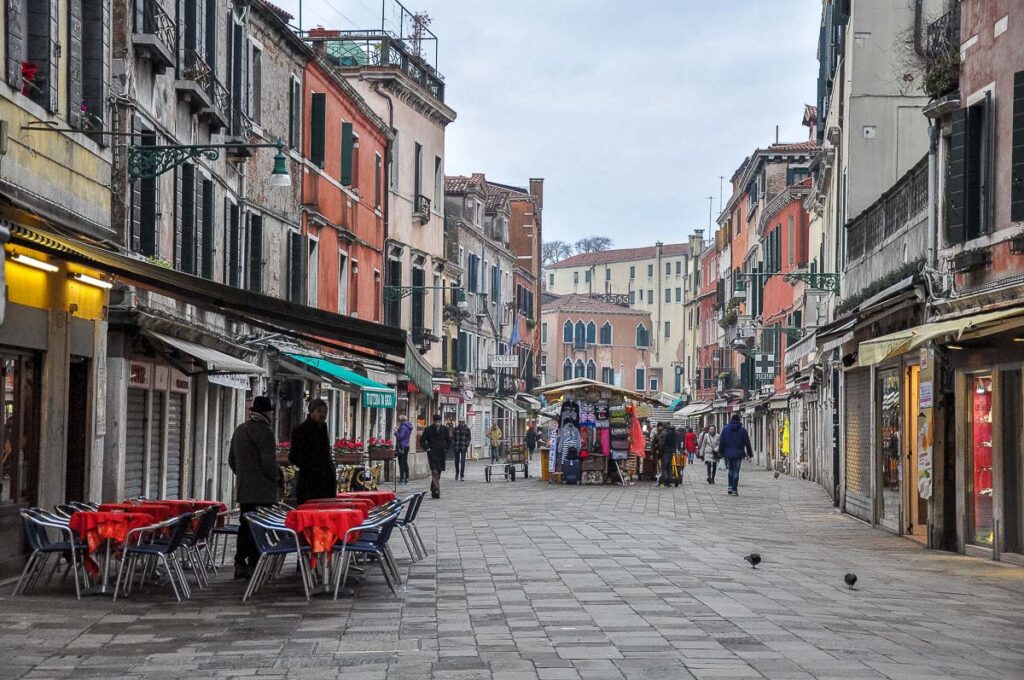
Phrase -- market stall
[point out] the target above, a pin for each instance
(595, 436)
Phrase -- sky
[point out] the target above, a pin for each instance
(630, 111)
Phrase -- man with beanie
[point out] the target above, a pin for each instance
(733, 445)
(311, 453)
(435, 441)
(252, 459)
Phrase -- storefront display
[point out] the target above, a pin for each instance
(891, 449)
(981, 460)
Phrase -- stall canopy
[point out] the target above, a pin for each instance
(692, 410)
(529, 401)
(509, 406)
(875, 351)
(374, 395)
(554, 391)
(216, 362)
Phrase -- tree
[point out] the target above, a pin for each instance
(593, 244)
(553, 251)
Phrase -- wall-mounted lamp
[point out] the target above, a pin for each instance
(92, 281)
(33, 262)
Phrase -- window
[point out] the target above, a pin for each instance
(679, 267)
(591, 370)
(145, 199)
(438, 183)
(606, 333)
(567, 332)
(578, 370)
(575, 277)
(639, 295)
(632, 297)
(313, 268)
(641, 379)
(295, 113)
(417, 177)
(668, 332)
(654, 384)
(790, 239)
(1017, 142)
(256, 253)
(86, 101)
(668, 269)
(419, 280)
(236, 60)
(668, 295)
(233, 262)
(256, 85)
(349, 161)
(679, 380)
(586, 276)
(679, 294)
(607, 274)
(393, 307)
(591, 333)
(967, 173)
(473, 272)
(318, 128)
(544, 332)
(551, 279)
(632, 273)
(580, 336)
(650, 270)
(376, 181)
(343, 283)
(567, 370)
(393, 166)
(185, 218)
(642, 336)
(32, 40)
(608, 375)
(205, 245)
(296, 260)
(650, 296)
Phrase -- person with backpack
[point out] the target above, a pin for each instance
(707, 449)
(734, 445)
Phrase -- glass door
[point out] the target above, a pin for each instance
(980, 462)
(891, 448)
(915, 520)
(1011, 397)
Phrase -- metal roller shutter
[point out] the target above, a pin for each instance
(155, 437)
(858, 443)
(175, 441)
(135, 443)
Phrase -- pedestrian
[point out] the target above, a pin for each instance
(252, 458)
(666, 444)
(402, 435)
(494, 436)
(462, 439)
(733, 445)
(311, 453)
(708, 450)
(690, 444)
(435, 441)
(531, 440)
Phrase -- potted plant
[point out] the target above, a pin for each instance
(283, 449)
(348, 451)
(381, 449)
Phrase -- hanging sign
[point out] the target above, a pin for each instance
(378, 399)
(504, 361)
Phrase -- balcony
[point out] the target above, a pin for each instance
(486, 381)
(155, 34)
(421, 210)
(380, 50)
(204, 93)
(507, 384)
(941, 54)
(422, 338)
(903, 204)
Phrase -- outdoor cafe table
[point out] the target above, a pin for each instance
(364, 504)
(378, 497)
(107, 528)
(322, 528)
(158, 511)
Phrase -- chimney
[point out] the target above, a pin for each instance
(696, 242)
(537, 191)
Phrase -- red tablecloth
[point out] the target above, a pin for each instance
(202, 505)
(365, 504)
(179, 506)
(323, 528)
(97, 527)
(378, 497)
(158, 511)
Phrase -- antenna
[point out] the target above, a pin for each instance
(776, 134)
(711, 205)
(721, 180)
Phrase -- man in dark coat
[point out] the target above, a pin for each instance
(531, 440)
(666, 444)
(435, 440)
(252, 458)
(311, 453)
(733, 445)
(462, 439)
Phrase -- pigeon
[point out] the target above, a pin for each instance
(851, 580)
(754, 559)
(776, 474)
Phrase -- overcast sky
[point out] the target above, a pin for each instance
(630, 111)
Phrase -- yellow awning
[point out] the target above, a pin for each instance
(876, 351)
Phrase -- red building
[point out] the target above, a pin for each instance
(344, 144)
(706, 375)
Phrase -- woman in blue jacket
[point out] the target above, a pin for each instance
(734, 445)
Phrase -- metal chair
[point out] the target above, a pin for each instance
(407, 524)
(373, 543)
(150, 548)
(274, 542)
(37, 528)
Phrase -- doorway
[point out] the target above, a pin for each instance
(915, 518)
(78, 435)
(890, 445)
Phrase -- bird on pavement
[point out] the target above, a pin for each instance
(776, 474)
(754, 559)
(851, 580)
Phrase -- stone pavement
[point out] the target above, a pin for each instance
(527, 581)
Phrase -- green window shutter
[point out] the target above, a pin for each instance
(347, 145)
(318, 127)
(1017, 156)
(956, 178)
(14, 34)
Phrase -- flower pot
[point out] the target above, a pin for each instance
(381, 453)
(348, 456)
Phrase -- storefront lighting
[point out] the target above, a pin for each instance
(33, 262)
(954, 347)
(1019, 338)
(92, 281)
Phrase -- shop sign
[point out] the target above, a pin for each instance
(764, 366)
(925, 394)
(161, 377)
(504, 361)
(233, 381)
(179, 381)
(379, 399)
(139, 374)
(925, 435)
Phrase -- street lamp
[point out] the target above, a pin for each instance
(146, 161)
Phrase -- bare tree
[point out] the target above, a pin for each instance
(553, 251)
(593, 244)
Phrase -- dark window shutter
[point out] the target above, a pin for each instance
(347, 145)
(256, 253)
(179, 213)
(956, 178)
(463, 351)
(75, 75)
(149, 188)
(376, 182)
(1017, 156)
(233, 261)
(135, 237)
(318, 127)
(95, 49)
(15, 29)
(41, 40)
(236, 74)
(296, 259)
(207, 241)
(186, 256)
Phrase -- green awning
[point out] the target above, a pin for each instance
(375, 395)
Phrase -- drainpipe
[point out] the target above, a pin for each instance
(933, 145)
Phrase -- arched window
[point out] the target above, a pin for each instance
(567, 332)
(591, 333)
(643, 338)
(581, 336)
(606, 333)
(578, 371)
(567, 370)
(592, 370)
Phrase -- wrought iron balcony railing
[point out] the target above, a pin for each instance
(155, 33)
(942, 54)
(902, 204)
(359, 49)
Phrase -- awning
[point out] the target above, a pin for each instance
(510, 406)
(799, 350)
(374, 394)
(779, 403)
(216, 362)
(555, 390)
(529, 401)
(263, 311)
(416, 367)
(692, 410)
(875, 351)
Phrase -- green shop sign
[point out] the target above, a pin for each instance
(379, 399)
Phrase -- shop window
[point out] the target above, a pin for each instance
(1012, 414)
(892, 460)
(981, 528)
(19, 462)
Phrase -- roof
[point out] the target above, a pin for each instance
(621, 255)
(588, 304)
(793, 147)
(810, 114)
(496, 194)
(460, 184)
(279, 11)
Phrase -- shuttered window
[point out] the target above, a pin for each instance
(74, 76)
(41, 53)
(185, 218)
(347, 152)
(418, 306)
(145, 198)
(294, 112)
(968, 174)
(1017, 155)
(296, 258)
(15, 30)
(205, 204)
(256, 253)
(317, 127)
